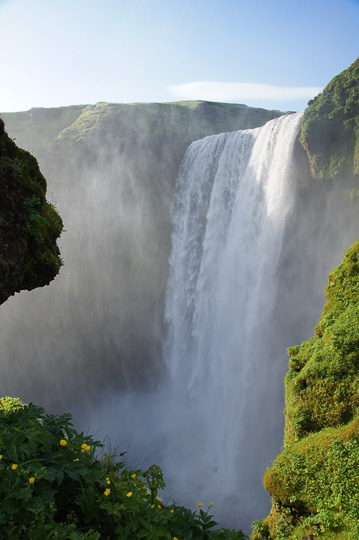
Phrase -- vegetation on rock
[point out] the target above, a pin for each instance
(54, 484)
(29, 225)
(314, 481)
(330, 127)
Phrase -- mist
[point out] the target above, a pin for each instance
(103, 340)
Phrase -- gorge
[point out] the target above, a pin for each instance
(194, 382)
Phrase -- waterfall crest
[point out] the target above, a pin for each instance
(232, 202)
(212, 419)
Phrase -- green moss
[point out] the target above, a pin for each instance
(314, 481)
(314, 484)
(330, 127)
(29, 225)
(322, 386)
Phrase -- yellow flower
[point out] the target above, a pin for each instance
(85, 447)
(31, 480)
(129, 494)
(175, 538)
(159, 506)
(108, 482)
(77, 459)
(200, 504)
(107, 492)
(63, 442)
(133, 476)
(153, 505)
(0, 456)
(171, 511)
(14, 466)
(212, 504)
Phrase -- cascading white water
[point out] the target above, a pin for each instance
(212, 421)
(232, 202)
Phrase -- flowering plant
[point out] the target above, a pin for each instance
(54, 483)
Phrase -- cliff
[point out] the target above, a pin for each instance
(29, 225)
(330, 127)
(112, 168)
(314, 481)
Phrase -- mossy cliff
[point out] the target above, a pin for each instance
(29, 225)
(330, 127)
(314, 482)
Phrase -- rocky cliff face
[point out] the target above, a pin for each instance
(29, 225)
(112, 169)
(314, 481)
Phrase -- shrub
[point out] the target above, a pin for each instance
(56, 483)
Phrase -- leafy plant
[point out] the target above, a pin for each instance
(155, 481)
(55, 483)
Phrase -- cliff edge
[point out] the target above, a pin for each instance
(330, 127)
(29, 225)
(113, 168)
(314, 481)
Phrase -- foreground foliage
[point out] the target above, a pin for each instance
(53, 484)
(314, 482)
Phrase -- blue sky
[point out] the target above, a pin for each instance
(275, 54)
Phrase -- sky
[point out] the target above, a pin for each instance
(275, 54)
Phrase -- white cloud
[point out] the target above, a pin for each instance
(227, 91)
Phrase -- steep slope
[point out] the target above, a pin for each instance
(112, 168)
(29, 225)
(314, 482)
(330, 128)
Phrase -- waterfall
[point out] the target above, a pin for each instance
(210, 414)
(232, 202)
